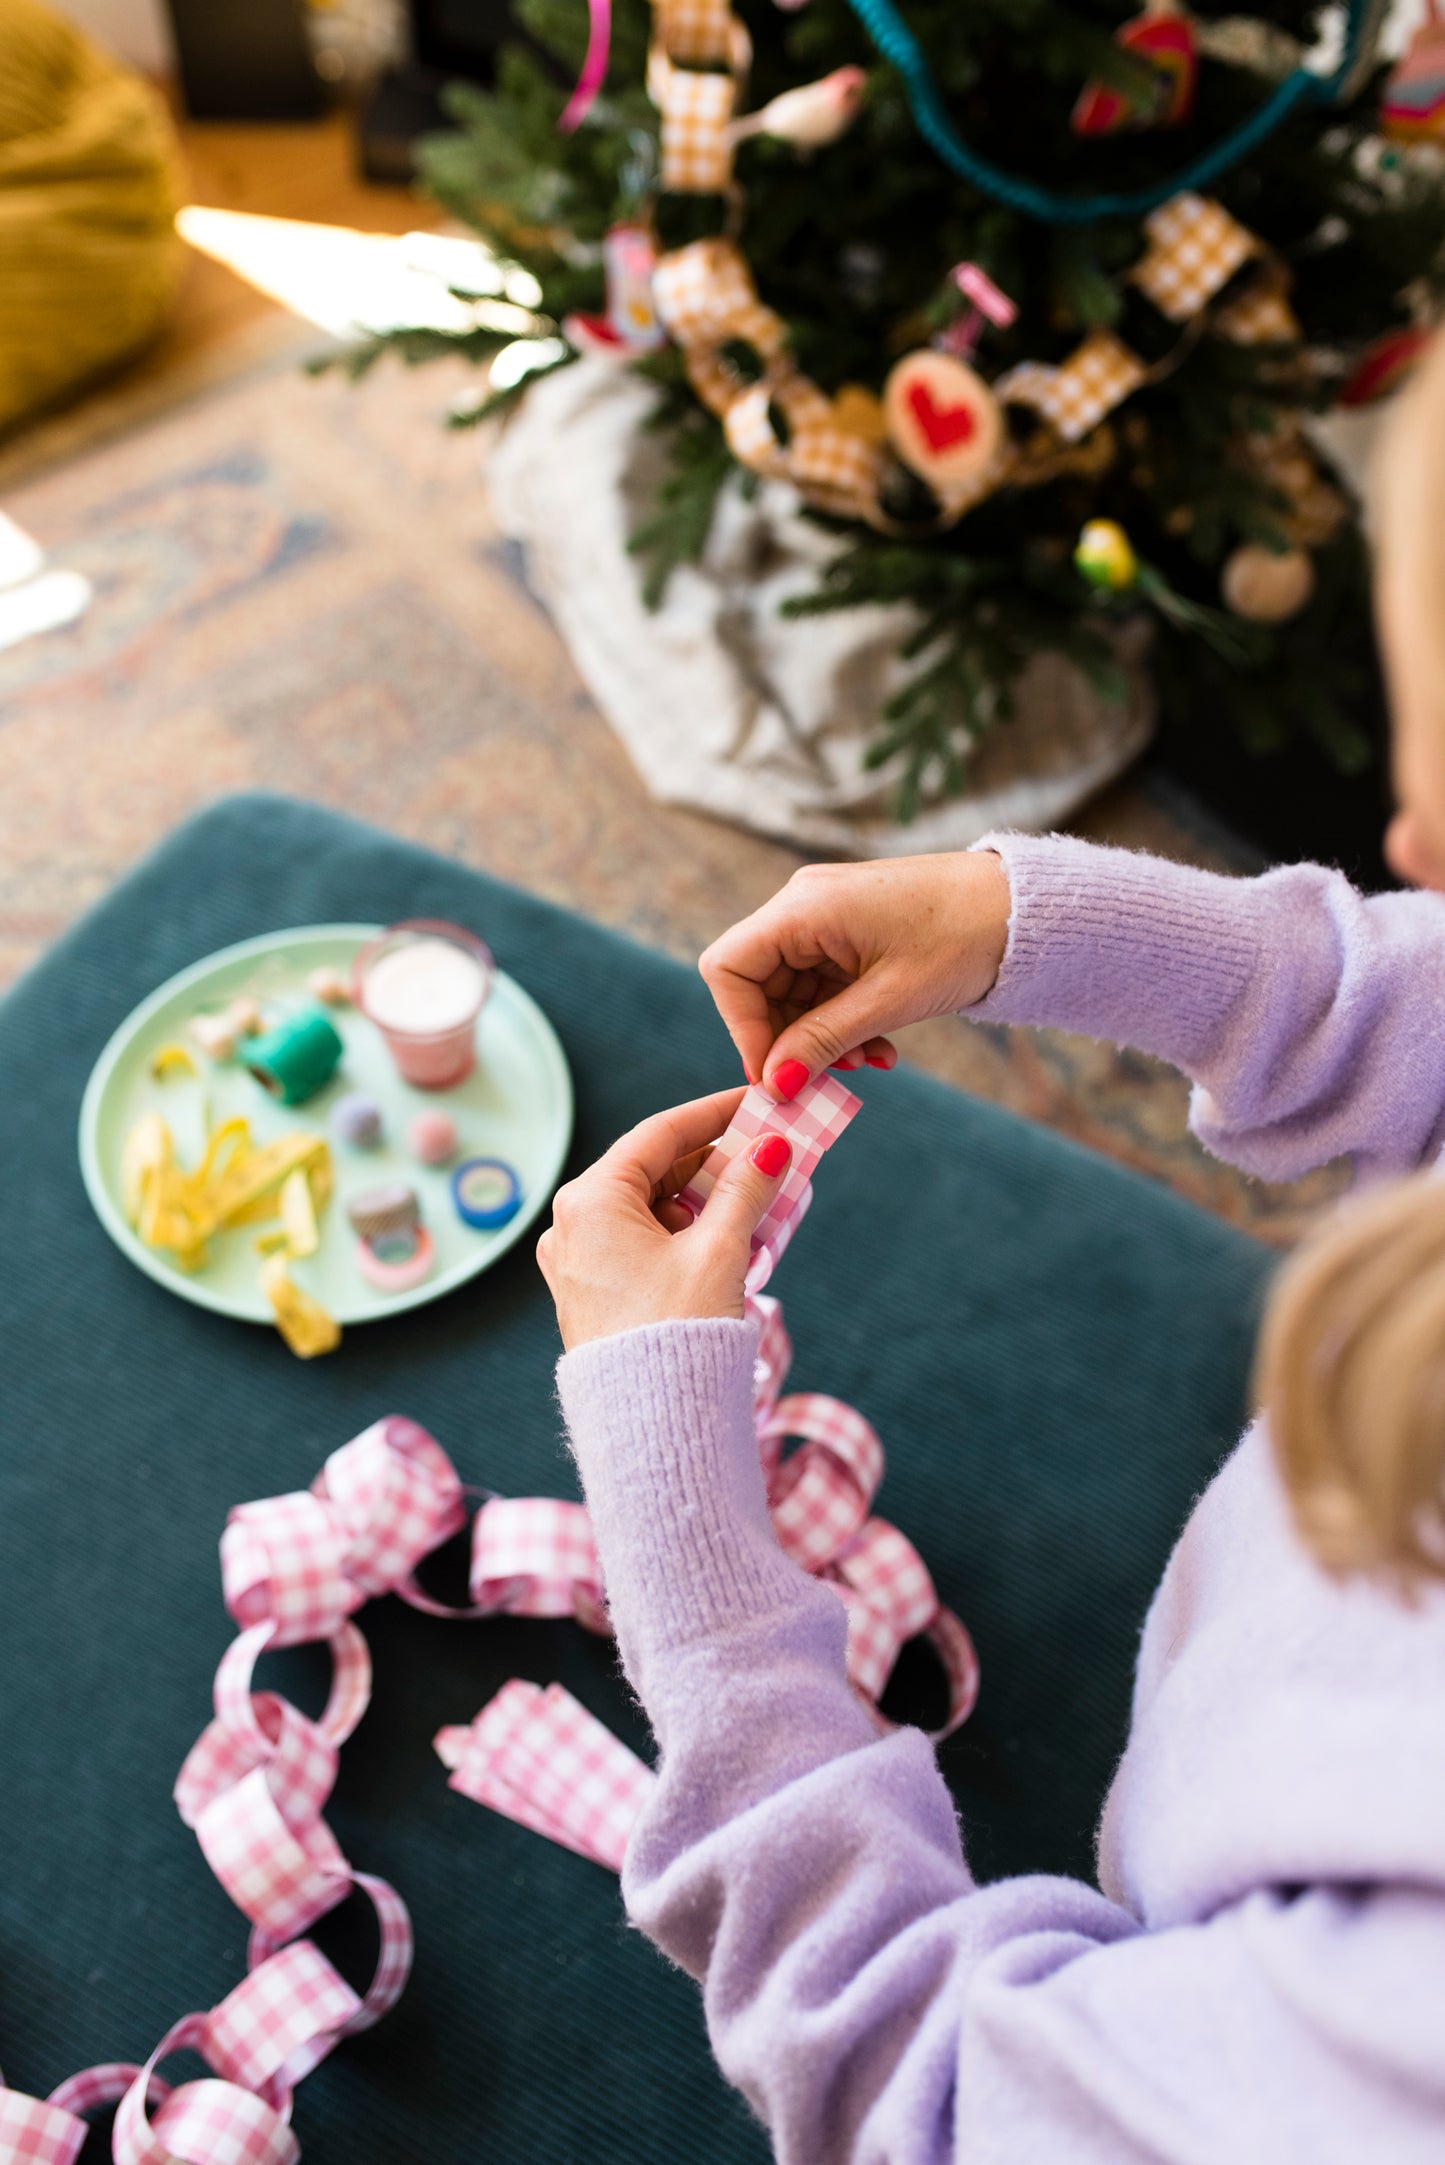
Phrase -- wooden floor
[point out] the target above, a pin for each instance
(303, 169)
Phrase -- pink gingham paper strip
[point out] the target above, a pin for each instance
(540, 1758)
(36, 2131)
(812, 1123)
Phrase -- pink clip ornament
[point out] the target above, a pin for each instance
(987, 304)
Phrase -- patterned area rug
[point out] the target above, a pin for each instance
(298, 586)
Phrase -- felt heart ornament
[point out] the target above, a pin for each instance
(942, 419)
(944, 426)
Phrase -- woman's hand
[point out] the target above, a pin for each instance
(620, 1251)
(846, 952)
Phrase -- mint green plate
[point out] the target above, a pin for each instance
(516, 1104)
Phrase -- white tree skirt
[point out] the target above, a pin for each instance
(725, 706)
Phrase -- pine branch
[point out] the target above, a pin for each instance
(677, 532)
(853, 247)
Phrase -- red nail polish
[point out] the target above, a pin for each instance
(789, 1076)
(770, 1154)
(877, 1059)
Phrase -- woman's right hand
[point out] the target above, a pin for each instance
(846, 952)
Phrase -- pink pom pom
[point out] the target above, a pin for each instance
(432, 1137)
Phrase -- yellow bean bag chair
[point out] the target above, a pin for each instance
(89, 186)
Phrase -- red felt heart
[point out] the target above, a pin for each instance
(943, 426)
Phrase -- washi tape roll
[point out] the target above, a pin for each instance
(486, 1193)
(297, 1058)
(397, 1275)
(382, 1211)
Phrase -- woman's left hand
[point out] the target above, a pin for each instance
(621, 1251)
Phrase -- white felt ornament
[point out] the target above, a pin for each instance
(1267, 586)
(942, 418)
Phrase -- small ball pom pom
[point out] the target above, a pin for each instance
(1267, 586)
(356, 1121)
(329, 986)
(432, 1137)
(1105, 556)
(214, 1035)
(243, 1017)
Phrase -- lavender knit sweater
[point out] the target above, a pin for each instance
(1261, 1980)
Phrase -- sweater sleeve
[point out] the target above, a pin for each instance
(874, 2005)
(1310, 1018)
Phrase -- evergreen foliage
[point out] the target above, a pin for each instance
(853, 244)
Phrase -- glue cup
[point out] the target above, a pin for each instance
(424, 984)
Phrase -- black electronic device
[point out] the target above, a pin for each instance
(246, 60)
(451, 41)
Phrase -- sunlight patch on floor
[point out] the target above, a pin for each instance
(348, 282)
(33, 599)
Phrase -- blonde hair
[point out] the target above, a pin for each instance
(1351, 1372)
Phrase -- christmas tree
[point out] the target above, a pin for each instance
(1036, 270)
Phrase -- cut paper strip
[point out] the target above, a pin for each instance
(812, 1123)
(540, 1758)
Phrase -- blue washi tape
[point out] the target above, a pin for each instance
(486, 1193)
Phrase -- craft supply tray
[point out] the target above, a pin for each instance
(515, 1105)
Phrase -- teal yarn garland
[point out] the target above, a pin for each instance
(897, 44)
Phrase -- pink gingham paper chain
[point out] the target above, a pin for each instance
(273, 2028)
(820, 1496)
(296, 1568)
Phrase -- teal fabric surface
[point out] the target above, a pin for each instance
(1053, 1350)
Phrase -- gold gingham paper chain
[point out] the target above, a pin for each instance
(832, 450)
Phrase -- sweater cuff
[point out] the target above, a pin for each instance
(660, 1421)
(1117, 944)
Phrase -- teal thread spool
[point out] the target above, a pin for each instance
(297, 1058)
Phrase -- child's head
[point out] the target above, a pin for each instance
(1410, 588)
(1352, 1371)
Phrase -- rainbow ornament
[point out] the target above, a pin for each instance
(1164, 36)
(1412, 109)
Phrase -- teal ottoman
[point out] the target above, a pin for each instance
(1054, 1352)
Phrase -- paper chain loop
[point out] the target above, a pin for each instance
(296, 1567)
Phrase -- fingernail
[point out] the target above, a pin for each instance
(789, 1077)
(878, 1059)
(771, 1152)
